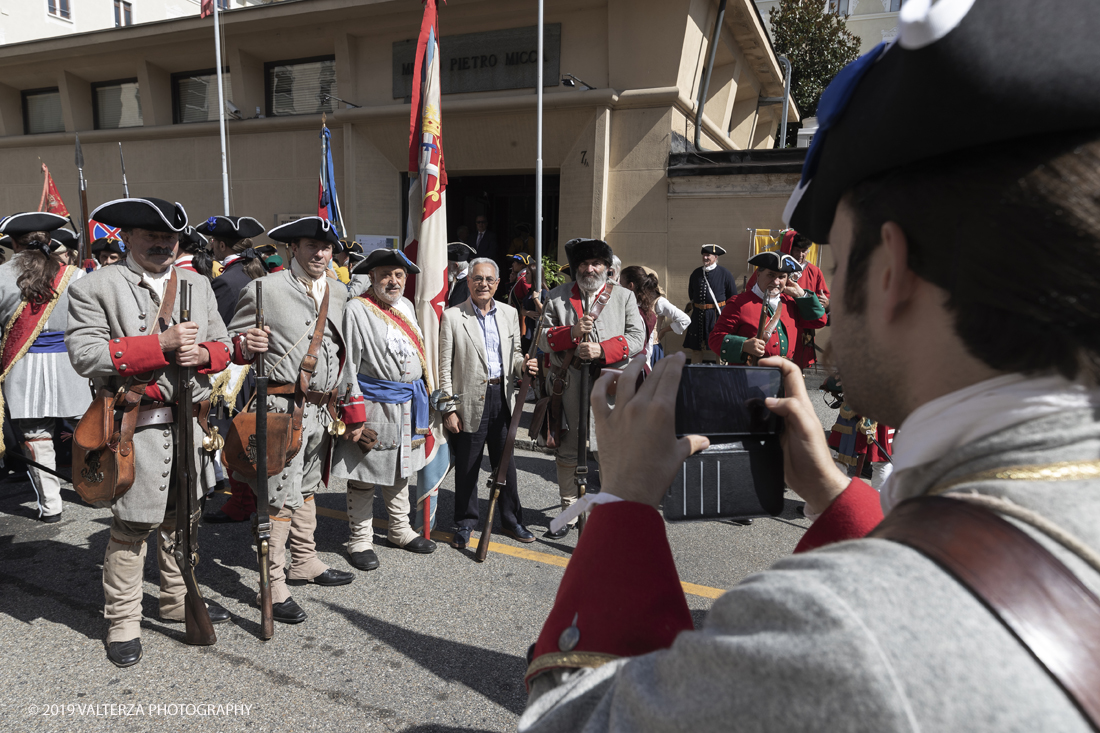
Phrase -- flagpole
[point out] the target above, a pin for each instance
(221, 111)
(538, 166)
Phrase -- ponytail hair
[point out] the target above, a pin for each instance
(38, 269)
(252, 263)
(644, 285)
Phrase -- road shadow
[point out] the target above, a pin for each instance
(495, 675)
(435, 728)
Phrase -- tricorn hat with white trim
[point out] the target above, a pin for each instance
(32, 221)
(65, 239)
(960, 74)
(231, 228)
(155, 215)
(308, 227)
(777, 261)
(713, 249)
(385, 256)
(459, 252)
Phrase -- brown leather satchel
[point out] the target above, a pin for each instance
(284, 430)
(103, 442)
(1037, 598)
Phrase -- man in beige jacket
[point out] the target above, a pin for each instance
(479, 358)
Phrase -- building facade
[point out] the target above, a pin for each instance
(873, 21)
(607, 148)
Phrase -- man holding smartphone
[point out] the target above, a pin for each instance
(877, 634)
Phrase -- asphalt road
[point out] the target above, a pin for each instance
(425, 643)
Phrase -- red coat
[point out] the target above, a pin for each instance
(740, 320)
(812, 280)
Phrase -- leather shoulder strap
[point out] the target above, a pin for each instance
(309, 361)
(601, 300)
(1052, 613)
(167, 303)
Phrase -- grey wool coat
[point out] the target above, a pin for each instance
(41, 385)
(464, 366)
(866, 635)
(111, 303)
(291, 314)
(379, 350)
(620, 317)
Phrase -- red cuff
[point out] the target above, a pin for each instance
(560, 338)
(614, 349)
(621, 585)
(238, 350)
(219, 357)
(851, 516)
(354, 412)
(137, 354)
(152, 391)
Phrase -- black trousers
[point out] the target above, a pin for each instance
(468, 449)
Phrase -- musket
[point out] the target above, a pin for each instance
(84, 234)
(498, 477)
(752, 360)
(580, 473)
(125, 186)
(199, 630)
(261, 520)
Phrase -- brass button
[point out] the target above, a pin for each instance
(118, 354)
(167, 446)
(118, 341)
(122, 367)
(167, 433)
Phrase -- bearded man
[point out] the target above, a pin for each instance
(386, 348)
(581, 334)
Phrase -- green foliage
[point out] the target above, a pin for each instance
(817, 43)
(550, 276)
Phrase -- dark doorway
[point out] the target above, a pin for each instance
(507, 202)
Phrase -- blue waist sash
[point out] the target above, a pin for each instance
(48, 342)
(398, 393)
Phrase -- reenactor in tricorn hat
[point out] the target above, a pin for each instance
(117, 338)
(305, 346)
(709, 286)
(107, 251)
(386, 354)
(607, 338)
(39, 384)
(458, 266)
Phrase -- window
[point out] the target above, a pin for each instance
(838, 6)
(195, 95)
(116, 104)
(301, 86)
(42, 111)
(124, 13)
(223, 4)
(895, 5)
(59, 9)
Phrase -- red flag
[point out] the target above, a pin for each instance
(206, 8)
(51, 199)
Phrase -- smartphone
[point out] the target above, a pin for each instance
(741, 474)
(726, 403)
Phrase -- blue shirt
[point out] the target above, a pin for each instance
(491, 335)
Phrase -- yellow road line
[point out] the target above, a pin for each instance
(523, 553)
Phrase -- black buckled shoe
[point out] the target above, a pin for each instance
(363, 560)
(218, 615)
(461, 538)
(519, 533)
(50, 518)
(288, 612)
(332, 576)
(420, 546)
(551, 535)
(219, 517)
(124, 653)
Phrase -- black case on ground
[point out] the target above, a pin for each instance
(735, 480)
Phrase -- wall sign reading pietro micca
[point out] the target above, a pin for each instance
(481, 62)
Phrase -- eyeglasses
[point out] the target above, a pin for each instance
(480, 280)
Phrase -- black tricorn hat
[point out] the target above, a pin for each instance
(459, 252)
(579, 250)
(66, 238)
(954, 65)
(713, 249)
(107, 244)
(191, 240)
(308, 227)
(775, 261)
(155, 215)
(32, 221)
(266, 250)
(231, 228)
(385, 256)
